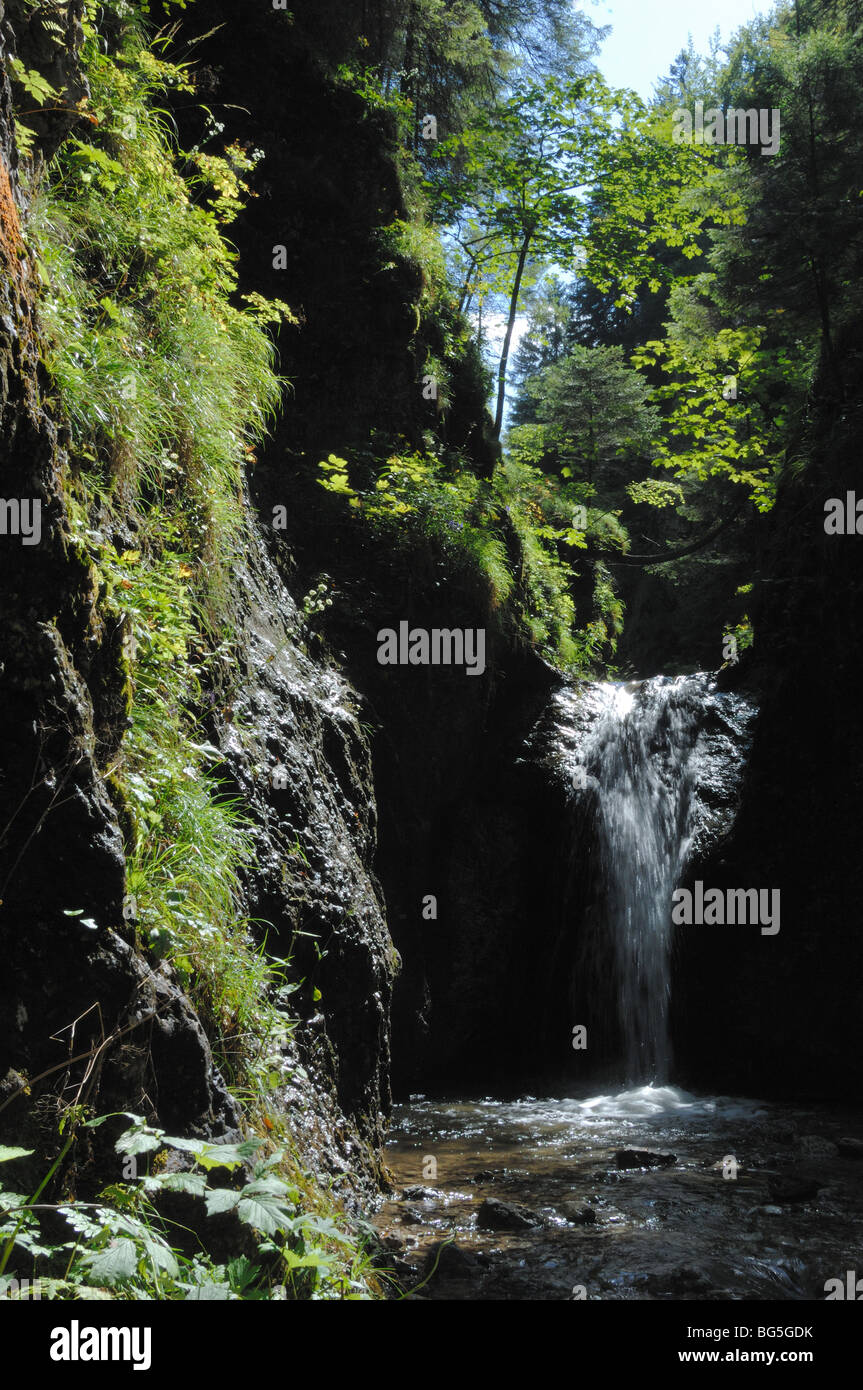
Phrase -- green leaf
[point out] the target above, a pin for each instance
(265, 1212)
(217, 1155)
(139, 1141)
(115, 1264)
(210, 1293)
(163, 1257)
(221, 1199)
(316, 1259)
(7, 1155)
(242, 1272)
(193, 1183)
(33, 82)
(80, 1222)
(322, 1226)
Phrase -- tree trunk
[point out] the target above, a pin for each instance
(513, 311)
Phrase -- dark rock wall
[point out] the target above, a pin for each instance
(459, 820)
(65, 986)
(287, 724)
(782, 1015)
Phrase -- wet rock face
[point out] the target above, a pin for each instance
(465, 823)
(48, 39)
(66, 986)
(61, 846)
(288, 729)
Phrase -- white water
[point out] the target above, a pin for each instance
(639, 1115)
(655, 770)
(641, 754)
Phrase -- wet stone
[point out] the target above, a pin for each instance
(793, 1188)
(447, 1260)
(494, 1215)
(412, 1217)
(578, 1214)
(816, 1146)
(644, 1158)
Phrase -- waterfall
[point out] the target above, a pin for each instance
(642, 759)
(654, 767)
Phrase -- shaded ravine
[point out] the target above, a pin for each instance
(633, 1189)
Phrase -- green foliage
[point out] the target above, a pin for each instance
(167, 386)
(742, 634)
(123, 1246)
(705, 434)
(415, 496)
(655, 492)
(165, 382)
(475, 530)
(552, 519)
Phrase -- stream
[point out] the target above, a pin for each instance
(760, 1201)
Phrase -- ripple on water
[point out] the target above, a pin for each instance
(673, 1230)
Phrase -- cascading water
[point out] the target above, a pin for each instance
(643, 763)
(654, 765)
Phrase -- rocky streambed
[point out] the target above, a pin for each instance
(646, 1194)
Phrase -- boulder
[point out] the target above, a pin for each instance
(494, 1215)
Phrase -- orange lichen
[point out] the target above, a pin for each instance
(12, 248)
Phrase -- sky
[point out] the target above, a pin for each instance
(648, 34)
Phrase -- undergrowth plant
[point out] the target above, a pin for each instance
(123, 1245)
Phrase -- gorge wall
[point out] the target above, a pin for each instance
(787, 1009)
(72, 984)
(467, 814)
